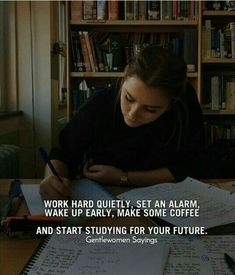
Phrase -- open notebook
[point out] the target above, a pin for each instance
(71, 254)
(217, 206)
(80, 189)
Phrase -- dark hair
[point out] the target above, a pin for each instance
(159, 68)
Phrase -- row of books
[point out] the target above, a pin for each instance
(82, 90)
(217, 132)
(218, 5)
(110, 52)
(219, 93)
(133, 10)
(217, 42)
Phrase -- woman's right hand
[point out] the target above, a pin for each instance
(51, 188)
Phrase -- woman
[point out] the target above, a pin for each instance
(147, 132)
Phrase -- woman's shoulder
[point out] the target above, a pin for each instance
(190, 94)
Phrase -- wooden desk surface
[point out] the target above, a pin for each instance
(14, 253)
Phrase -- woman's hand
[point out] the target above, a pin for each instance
(52, 188)
(102, 173)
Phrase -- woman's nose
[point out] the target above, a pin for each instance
(133, 112)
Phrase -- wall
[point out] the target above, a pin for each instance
(32, 29)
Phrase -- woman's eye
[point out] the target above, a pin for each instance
(129, 98)
(153, 111)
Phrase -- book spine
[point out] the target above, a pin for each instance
(85, 52)
(214, 93)
(230, 95)
(163, 10)
(232, 29)
(227, 43)
(89, 10)
(208, 38)
(129, 9)
(77, 56)
(89, 51)
(76, 10)
(93, 53)
(142, 10)
(136, 9)
(113, 9)
(101, 9)
(154, 10)
(98, 55)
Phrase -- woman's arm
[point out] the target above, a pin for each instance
(144, 178)
(112, 175)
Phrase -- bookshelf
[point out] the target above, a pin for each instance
(212, 66)
(176, 23)
(217, 69)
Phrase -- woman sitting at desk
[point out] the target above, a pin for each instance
(146, 132)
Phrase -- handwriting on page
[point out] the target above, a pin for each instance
(213, 202)
(70, 254)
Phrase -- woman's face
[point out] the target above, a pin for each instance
(141, 104)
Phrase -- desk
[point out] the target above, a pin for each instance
(14, 253)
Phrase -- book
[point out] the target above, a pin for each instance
(101, 9)
(231, 26)
(215, 95)
(131, 10)
(153, 9)
(189, 49)
(76, 10)
(89, 10)
(230, 95)
(113, 9)
(73, 254)
(216, 205)
(166, 10)
(90, 55)
(85, 53)
(203, 255)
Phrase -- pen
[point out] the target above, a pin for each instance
(230, 262)
(47, 160)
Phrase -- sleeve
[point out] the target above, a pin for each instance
(75, 138)
(193, 142)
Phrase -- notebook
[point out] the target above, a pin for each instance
(217, 206)
(80, 189)
(71, 254)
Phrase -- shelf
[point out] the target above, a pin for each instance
(218, 13)
(110, 74)
(219, 112)
(219, 60)
(97, 74)
(185, 22)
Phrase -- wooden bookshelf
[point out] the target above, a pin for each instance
(219, 60)
(133, 26)
(114, 74)
(185, 22)
(218, 70)
(203, 65)
(218, 13)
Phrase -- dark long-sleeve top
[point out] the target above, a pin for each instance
(98, 129)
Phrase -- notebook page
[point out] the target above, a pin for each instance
(186, 256)
(32, 198)
(216, 246)
(214, 202)
(70, 254)
(80, 189)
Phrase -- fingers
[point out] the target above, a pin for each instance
(52, 188)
